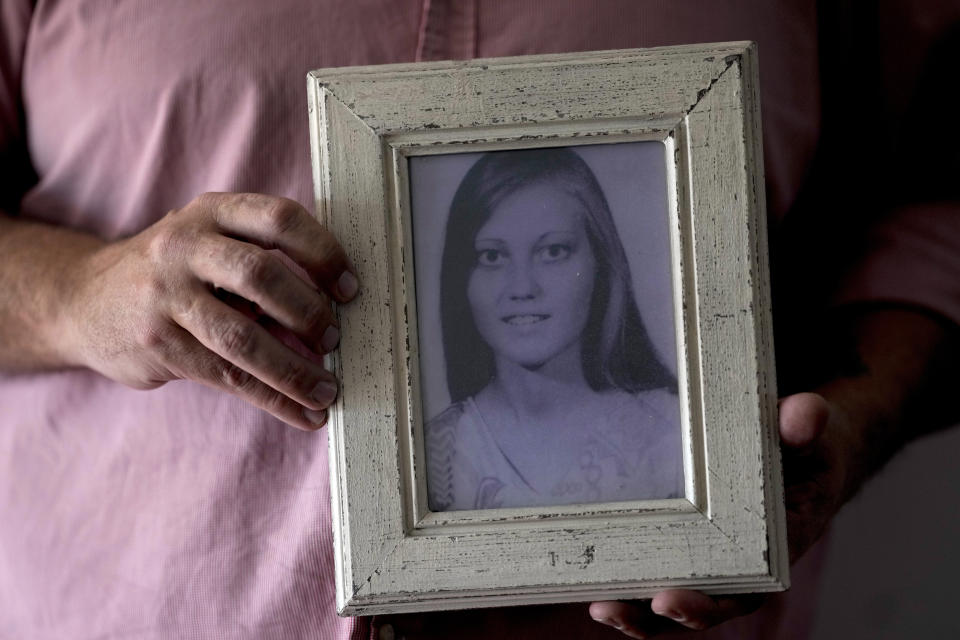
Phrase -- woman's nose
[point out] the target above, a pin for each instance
(523, 282)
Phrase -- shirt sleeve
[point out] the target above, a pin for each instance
(15, 18)
(914, 259)
(913, 253)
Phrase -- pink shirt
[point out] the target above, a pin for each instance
(183, 512)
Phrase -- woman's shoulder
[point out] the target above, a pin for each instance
(440, 432)
(453, 441)
(445, 423)
(440, 438)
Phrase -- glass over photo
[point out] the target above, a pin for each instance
(545, 313)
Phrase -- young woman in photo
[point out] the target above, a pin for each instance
(557, 395)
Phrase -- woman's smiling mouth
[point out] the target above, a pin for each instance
(526, 318)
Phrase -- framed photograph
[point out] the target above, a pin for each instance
(557, 384)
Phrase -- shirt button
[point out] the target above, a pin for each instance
(386, 632)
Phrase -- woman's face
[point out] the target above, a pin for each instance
(532, 281)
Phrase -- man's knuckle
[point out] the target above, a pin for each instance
(232, 377)
(208, 201)
(273, 402)
(152, 289)
(152, 336)
(237, 338)
(329, 253)
(256, 267)
(166, 242)
(283, 215)
(316, 315)
(297, 376)
(188, 308)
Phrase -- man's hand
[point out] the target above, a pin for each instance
(832, 441)
(814, 476)
(169, 303)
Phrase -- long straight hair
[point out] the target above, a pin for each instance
(616, 351)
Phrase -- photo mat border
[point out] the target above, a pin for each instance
(393, 554)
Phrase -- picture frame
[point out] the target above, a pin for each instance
(725, 532)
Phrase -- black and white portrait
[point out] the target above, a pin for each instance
(546, 326)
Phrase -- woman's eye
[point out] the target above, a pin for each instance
(554, 252)
(491, 257)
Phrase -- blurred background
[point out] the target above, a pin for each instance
(893, 551)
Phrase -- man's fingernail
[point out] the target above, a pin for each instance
(347, 285)
(628, 630)
(315, 417)
(330, 338)
(325, 392)
(612, 622)
(674, 615)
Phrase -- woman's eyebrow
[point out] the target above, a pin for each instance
(563, 232)
(491, 240)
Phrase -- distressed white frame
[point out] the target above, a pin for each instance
(728, 533)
